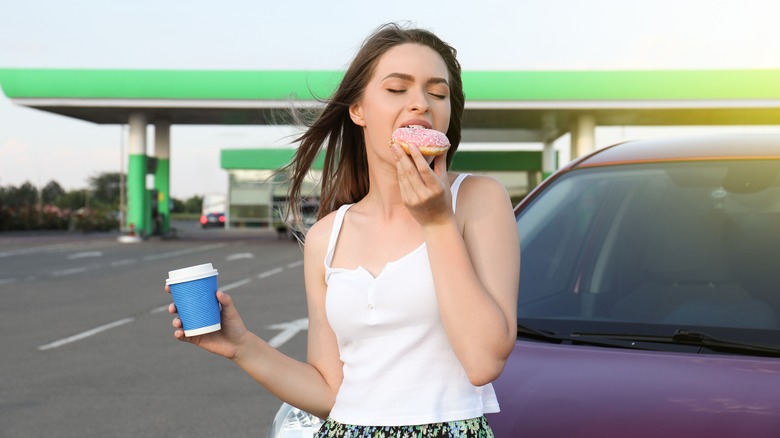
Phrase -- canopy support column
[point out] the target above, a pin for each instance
(162, 145)
(583, 135)
(548, 159)
(137, 213)
(549, 135)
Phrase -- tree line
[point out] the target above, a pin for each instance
(94, 208)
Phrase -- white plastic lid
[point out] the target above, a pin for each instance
(192, 273)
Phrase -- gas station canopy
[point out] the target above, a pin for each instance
(501, 105)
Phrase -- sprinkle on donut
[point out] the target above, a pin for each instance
(429, 141)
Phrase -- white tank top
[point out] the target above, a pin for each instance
(399, 367)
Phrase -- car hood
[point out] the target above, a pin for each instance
(550, 390)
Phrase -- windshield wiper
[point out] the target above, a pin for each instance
(524, 330)
(687, 337)
(556, 338)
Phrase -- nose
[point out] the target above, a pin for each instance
(418, 102)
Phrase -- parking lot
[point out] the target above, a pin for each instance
(88, 347)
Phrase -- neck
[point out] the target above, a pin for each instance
(383, 199)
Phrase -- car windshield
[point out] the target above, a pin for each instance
(654, 248)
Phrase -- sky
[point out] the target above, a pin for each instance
(38, 147)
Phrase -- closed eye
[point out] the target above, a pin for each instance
(395, 91)
(438, 96)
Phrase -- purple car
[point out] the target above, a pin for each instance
(649, 300)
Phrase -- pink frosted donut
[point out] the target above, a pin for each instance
(429, 141)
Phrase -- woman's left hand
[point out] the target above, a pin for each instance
(424, 191)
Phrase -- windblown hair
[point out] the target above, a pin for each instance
(345, 168)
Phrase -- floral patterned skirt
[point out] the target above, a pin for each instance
(471, 428)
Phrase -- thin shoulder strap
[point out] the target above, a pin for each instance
(455, 187)
(334, 232)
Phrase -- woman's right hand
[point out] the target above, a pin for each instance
(224, 342)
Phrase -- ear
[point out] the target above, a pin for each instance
(356, 114)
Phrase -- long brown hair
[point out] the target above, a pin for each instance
(345, 168)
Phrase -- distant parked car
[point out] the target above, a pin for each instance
(213, 210)
(649, 299)
(212, 220)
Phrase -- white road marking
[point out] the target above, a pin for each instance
(7, 280)
(295, 264)
(85, 254)
(239, 256)
(69, 271)
(267, 274)
(183, 252)
(159, 309)
(85, 334)
(52, 248)
(289, 330)
(227, 287)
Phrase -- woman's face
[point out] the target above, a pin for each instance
(409, 86)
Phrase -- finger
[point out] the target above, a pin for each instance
(172, 308)
(407, 174)
(419, 159)
(224, 299)
(176, 323)
(432, 172)
(397, 151)
(432, 180)
(226, 303)
(413, 167)
(167, 288)
(179, 334)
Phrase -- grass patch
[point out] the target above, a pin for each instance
(185, 216)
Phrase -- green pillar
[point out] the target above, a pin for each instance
(137, 213)
(162, 185)
(149, 225)
(136, 194)
(162, 181)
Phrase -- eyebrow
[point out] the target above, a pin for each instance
(407, 77)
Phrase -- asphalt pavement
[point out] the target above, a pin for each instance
(87, 344)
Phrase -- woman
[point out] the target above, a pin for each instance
(411, 272)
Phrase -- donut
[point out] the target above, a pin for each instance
(429, 141)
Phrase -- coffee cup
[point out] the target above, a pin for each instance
(194, 291)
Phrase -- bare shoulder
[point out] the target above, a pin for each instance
(482, 182)
(319, 234)
(478, 192)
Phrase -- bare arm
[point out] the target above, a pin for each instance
(476, 276)
(475, 270)
(310, 386)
